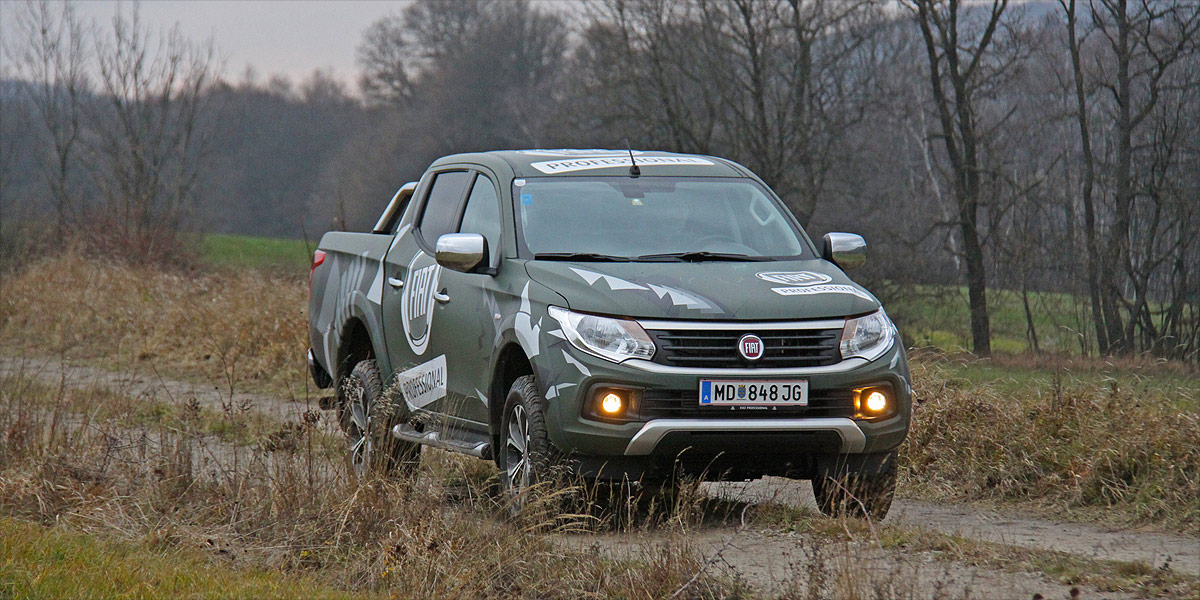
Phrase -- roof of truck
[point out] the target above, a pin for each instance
(565, 162)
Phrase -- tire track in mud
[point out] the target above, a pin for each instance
(149, 385)
(762, 558)
(1011, 528)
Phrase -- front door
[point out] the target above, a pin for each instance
(466, 314)
(412, 291)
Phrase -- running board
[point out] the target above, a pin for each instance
(408, 433)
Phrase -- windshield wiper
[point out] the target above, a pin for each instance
(703, 255)
(580, 256)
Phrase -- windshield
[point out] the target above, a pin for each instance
(653, 218)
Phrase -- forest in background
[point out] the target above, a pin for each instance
(1051, 149)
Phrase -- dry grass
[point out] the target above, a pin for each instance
(246, 329)
(248, 493)
(1063, 444)
(291, 508)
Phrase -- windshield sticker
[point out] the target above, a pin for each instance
(577, 153)
(822, 289)
(526, 199)
(416, 306)
(554, 167)
(614, 283)
(518, 182)
(794, 277)
(527, 332)
(424, 383)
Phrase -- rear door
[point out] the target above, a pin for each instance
(411, 289)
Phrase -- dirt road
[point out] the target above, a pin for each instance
(771, 562)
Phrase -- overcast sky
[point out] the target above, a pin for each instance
(291, 37)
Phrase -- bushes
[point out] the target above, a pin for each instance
(1077, 444)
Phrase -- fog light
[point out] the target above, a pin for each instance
(873, 403)
(611, 404)
(876, 402)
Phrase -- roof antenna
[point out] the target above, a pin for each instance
(634, 171)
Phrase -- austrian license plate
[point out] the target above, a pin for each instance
(753, 392)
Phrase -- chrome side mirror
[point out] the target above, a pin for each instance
(461, 251)
(846, 250)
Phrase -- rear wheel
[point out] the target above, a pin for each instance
(864, 490)
(367, 421)
(525, 451)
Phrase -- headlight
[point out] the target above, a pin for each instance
(868, 337)
(611, 339)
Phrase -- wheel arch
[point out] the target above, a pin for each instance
(511, 363)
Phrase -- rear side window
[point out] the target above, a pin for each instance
(444, 205)
(482, 215)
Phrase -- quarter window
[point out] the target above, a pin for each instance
(444, 205)
(482, 215)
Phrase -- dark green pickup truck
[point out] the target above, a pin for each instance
(629, 315)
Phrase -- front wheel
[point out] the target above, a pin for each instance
(525, 451)
(862, 490)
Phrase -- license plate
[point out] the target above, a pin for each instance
(753, 392)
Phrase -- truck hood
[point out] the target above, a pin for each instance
(717, 290)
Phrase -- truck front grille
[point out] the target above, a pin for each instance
(685, 404)
(717, 348)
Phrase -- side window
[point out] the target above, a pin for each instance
(483, 214)
(444, 205)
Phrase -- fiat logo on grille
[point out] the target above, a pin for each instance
(751, 347)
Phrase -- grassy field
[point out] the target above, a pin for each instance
(60, 562)
(241, 251)
(137, 480)
(938, 316)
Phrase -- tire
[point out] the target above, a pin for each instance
(864, 491)
(525, 451)
(367, 421)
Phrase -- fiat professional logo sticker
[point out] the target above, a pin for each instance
(795, 277)
(751, 347)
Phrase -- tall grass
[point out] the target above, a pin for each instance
(246, 328)
(1063, 443)
(291, 507)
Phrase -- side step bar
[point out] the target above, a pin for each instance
(408, 433)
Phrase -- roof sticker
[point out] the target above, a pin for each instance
(553, 167)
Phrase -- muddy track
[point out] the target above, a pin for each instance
(765, 560)
(148, 384)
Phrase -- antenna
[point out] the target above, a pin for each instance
(634, 171)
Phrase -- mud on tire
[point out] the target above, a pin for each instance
(366, 420)
(525, 453)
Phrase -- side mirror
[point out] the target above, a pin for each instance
(461, 251)
(846, 250)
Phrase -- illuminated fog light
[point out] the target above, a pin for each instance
(876, 402)
(611, 403)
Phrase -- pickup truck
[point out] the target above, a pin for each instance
(624, 315)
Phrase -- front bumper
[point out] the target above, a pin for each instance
(759, 438)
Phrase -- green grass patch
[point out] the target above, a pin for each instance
(50, 562)
(939, 316)
(230, 250)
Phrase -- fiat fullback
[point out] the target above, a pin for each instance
(626, 315)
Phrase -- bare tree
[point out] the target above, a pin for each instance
(963, 66)
(148, 143)
(1132, 84)
(51, 54)
(774, 84)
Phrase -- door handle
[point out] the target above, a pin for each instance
(441, 296)
(394, 282)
